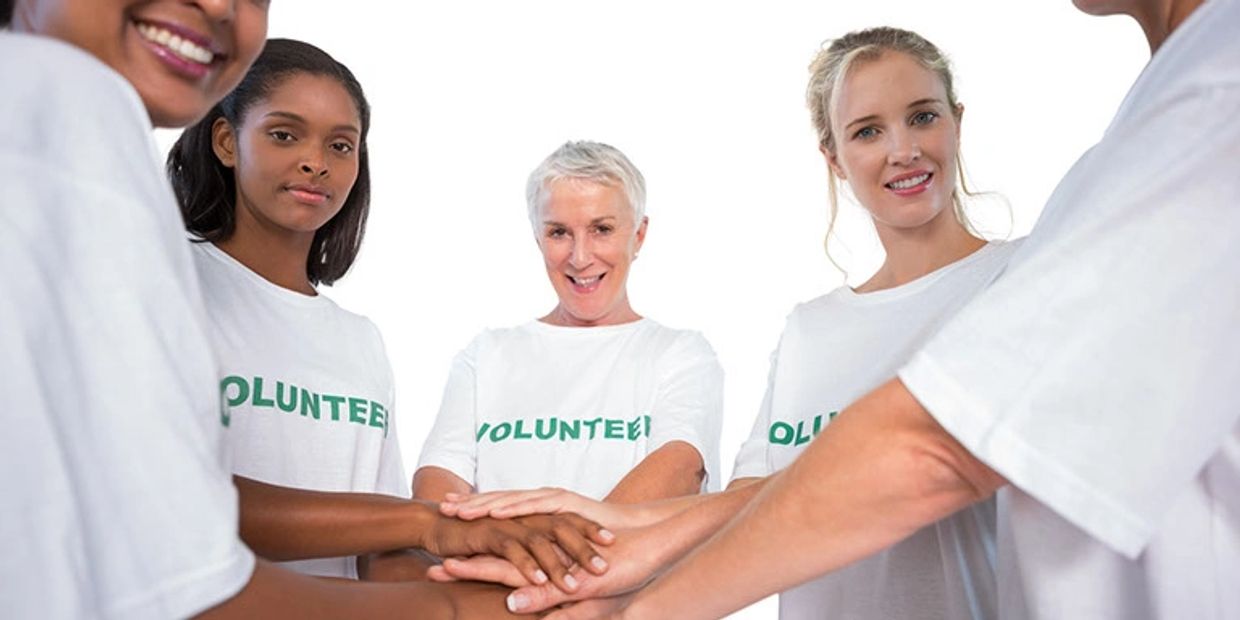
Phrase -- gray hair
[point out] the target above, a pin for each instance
(590, 161)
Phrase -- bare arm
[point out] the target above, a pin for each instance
(281, 523)
(673, 470)
(433, 483)
(883, 469)
(276, 593)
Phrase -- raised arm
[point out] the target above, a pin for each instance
(880, 471)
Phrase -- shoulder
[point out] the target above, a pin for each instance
(672, 344)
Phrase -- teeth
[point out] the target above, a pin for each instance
(584, 281)
(909, 182)
(181, 47)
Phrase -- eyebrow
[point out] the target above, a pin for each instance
(297, 118)
(919, 102)
(593, 221)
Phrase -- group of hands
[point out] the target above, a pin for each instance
(557, 549)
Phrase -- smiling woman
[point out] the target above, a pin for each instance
(592, 397)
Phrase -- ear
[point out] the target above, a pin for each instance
(641, 235)
(959, 112)
(833, 162)
(224, 142)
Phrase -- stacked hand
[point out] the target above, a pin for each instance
(539, 549)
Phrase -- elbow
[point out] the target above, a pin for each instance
(942, 476)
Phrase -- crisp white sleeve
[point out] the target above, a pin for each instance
(688, 406)
(751, 460)
(392, 479)
(451, 443)
(118, 499)
(1100, 372)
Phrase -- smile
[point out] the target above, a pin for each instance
(185, 52)
(585, 285)
(910, 184)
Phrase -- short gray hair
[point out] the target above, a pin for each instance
(589, 161)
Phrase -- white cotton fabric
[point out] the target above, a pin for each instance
(544, 376)
(1100, 374)
(833, 350)
(280, 353)
(118, 501)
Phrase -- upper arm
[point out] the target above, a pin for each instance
(688, 404)
(451, 445)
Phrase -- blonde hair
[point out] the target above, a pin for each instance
(827, 73)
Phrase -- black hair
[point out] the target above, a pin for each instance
(207, 191)
(6, 12)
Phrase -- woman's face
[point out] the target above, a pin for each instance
(588, 240)
(896, 141)
(180, 55)
(295, 155)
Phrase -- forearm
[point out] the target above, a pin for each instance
(280, 523)
(433, 483)
(673, 470)
(273, 592)
(879, 472)
(399, 565)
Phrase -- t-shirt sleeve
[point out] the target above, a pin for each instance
(120, 502)
(689, 402)
(392, 479)
(752, 460)
(1099, 373)
(451, 444)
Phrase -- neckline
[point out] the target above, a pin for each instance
(918, 284)
(269, 287)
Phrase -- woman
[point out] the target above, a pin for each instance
(591, 397)
(274, 184)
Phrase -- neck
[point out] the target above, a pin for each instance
(914, 253)
(623, 313)
(278, 256)
(1159, 19)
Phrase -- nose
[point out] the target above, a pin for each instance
(582, 254)
(314, 163)
(903, 149)
(219, 10)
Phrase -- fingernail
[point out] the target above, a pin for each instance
(517, 602)
(599, 562)
(570, 581)
(606, 534)
(540, 577)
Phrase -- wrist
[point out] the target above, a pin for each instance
(421, 519)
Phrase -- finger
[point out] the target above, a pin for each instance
(485, 568)
(571, 532)
(440, 574)
(531, 599)
(593, 608)
(520, 557)
(480, 505)
(544, 551)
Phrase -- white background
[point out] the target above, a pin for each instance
(707, 99)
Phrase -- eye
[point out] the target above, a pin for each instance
(279, 135)
(865, 133)
(604, 229)
(344, 148)
(924, 118)
(556, 232)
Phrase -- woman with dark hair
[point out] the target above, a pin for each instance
(274, 185)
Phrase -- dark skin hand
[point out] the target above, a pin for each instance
(280, 523)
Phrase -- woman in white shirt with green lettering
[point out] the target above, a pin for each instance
(591, 397)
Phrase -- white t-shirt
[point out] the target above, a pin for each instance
(1101, 373)
(308, 387)
(575, 407)
(835, 349)
(118, 503)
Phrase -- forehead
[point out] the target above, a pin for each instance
(316, 98)
(583, 200)
(886, 84)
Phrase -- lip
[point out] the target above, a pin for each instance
(910, 191)
(308, 194)
(585, 290)
(184, 67)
